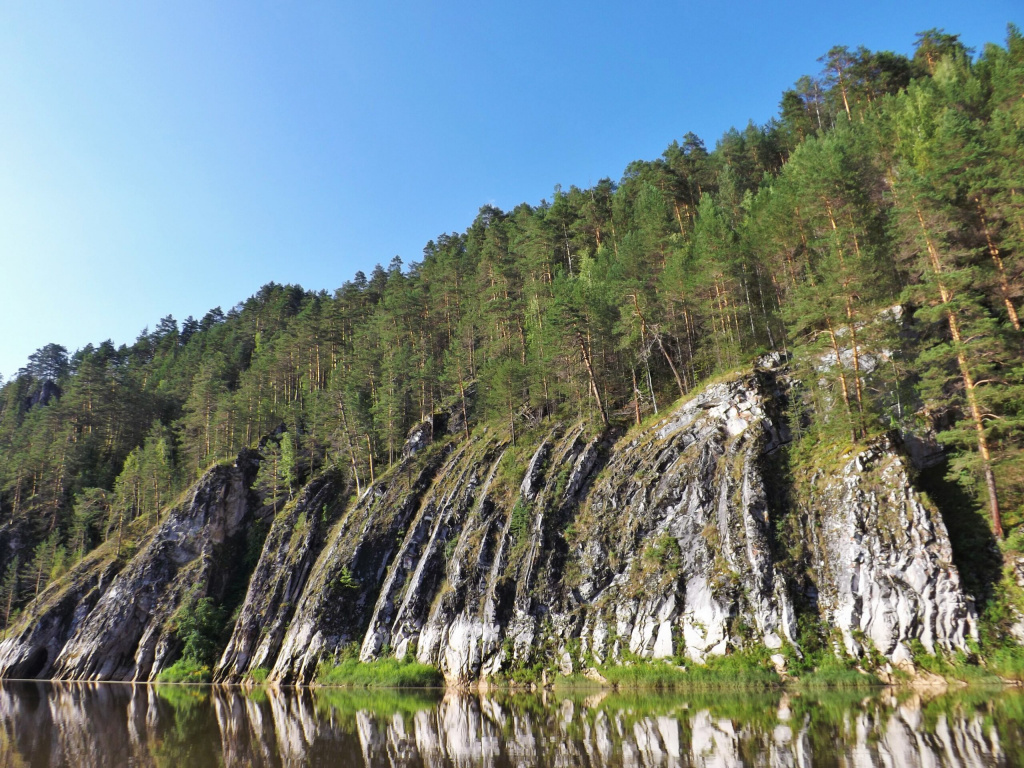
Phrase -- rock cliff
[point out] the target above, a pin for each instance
(112, 620)
(884, 561)
(565, 545)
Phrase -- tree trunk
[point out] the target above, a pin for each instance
(351, 450)
(675, 206)
(661, 346)
(842, 375)
(997, 259)
(636, 396)
(465, 411)
(968, 379)
(593, 380)
(369, 451)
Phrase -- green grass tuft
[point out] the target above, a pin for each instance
(1007, 662)
(834, 672)
(185, 671)
(381, 673)
(732, 671)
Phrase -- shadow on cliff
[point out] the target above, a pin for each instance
(975, 552)
(787, 523)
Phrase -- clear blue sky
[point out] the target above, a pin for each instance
(166, 158)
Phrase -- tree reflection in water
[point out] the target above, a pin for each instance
(114, 724)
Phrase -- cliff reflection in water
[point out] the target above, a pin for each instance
(104, 724)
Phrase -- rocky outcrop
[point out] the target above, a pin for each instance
(128, 636)
(342, 589)
(483, 554)
(32, 648)
(658, 544)
(296, 537)
(44, 392)
(101, 626)
(884, 563)
(682, 509)
(419, 572)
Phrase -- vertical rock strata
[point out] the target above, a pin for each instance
(477, 555)
(683, 507)
(884, 562)
(296, 537)
(333, 609)
(120, 627)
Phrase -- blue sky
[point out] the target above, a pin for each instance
(166, 158)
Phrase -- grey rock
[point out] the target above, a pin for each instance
(534, 477)
(32, 648)
(122, 632)
(886, 570)
(296, 537)
(336, 602)
(47, 391)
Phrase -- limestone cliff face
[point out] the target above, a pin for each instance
(476, 555)
(296, 537)
(342, 588)
(112, 622)
(660, 544)
(32, 646)
(883, 560)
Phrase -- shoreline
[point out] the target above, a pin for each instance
(484, 687)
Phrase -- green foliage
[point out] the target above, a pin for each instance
(89, 512)
(959, 666)
(1007, 662)
(740, 669)
(524, 675)
(664, 555)
(449, 548)
(380, 673)
(9, 588)
(186, 670)
(289, 461)
(519, 525)
(826, 670)
(275, 471)
(346, 581)
(48, 562)
(198, 624)
(299, 531)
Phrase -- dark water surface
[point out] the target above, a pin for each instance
(123, 725)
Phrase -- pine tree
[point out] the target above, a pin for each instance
(90, 510)
(9, 589)
(947, 284)
(38, 571)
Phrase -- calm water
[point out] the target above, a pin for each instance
(122, 725)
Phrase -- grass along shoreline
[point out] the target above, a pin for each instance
(817, 668)
(734, 671)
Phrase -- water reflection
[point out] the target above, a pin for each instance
(109, 724)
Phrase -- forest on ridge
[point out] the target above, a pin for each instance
(873, 232)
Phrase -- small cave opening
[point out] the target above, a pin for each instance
(34, 664)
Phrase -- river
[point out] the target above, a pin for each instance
(82, 725)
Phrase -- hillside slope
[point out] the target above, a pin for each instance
(574, 547)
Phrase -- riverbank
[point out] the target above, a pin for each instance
(735, 671)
